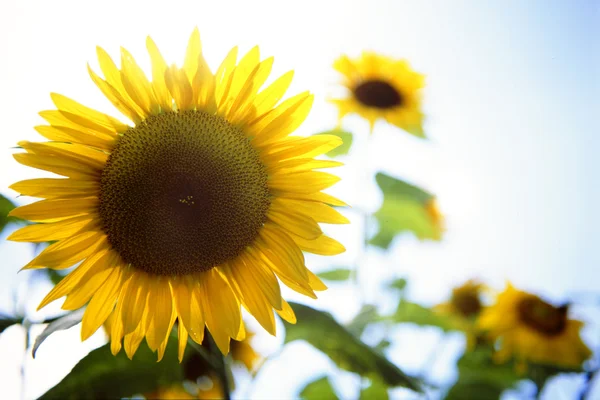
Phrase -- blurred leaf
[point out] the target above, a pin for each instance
(338, 274)
(480, 377)
(367, 315)
(398, 284)
(419, 315)
(6, 322)
(319, 389)
(324, 333)
(100, 375)
(383, 345)
(5, 207)
(344, 148)
(376, 391)
(404, 209)
(60, 324)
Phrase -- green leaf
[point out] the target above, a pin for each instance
(5, 207)
(6, 322)
(319, 389)
(404, 209)
(338, 274)
(324, 333)
(59, 324)
(375, 391)
(398, 284)
(100, 375)
(480, 377)
(344, 148)
(366, 315)
(423, 316)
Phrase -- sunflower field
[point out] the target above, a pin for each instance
(319, 200)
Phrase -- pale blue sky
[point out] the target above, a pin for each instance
(512, 103)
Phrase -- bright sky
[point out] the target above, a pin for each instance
(512, 101)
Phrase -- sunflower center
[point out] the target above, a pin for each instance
(541, 316)
(182, 192)
(378, 94)
(467, 303)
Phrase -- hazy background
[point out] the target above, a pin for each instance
(512, 104)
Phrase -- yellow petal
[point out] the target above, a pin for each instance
(319, 197)
(69, 282)
(50, 232)
(135, 301)
(287, 313)
(93, 279)
(317, 211)
(60, 166)
(71, 135)
(88, 157)
(182, 335)
(252, 297)
(221, 309)
(132, 340)
(244, 103)
(302, 182)
(102, 303)
(111, 124)
(289, 117)
(189, 308)
(305, 147)
(56, 209)
(159, 67)
(223, 78)
(49, 187)
(160, 311)
(136, 84)
(293, 221)
(179, 87)
(323, 245)
(120, 99)
(266, 99)
(315, 282)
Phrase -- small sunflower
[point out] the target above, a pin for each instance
(530, 329)
(462, 309)
(382, 87)
(465, 301)
(195, 209)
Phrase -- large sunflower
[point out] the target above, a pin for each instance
(530, 329)
(382, 87)
(196, 208)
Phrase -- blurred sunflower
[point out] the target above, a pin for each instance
(382, 87)
(463, 307)
(436, 218)
(465, 301)
(191, 212)
(530, 329)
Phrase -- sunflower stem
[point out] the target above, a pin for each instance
(220, 367)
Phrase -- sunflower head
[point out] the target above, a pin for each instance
(200, 203)
(528, 328)
(465, 300)
(382, 87)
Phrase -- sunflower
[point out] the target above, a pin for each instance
(200, 206)
(530, 329)
(382, 87)
(465, 301)
(463, 307)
